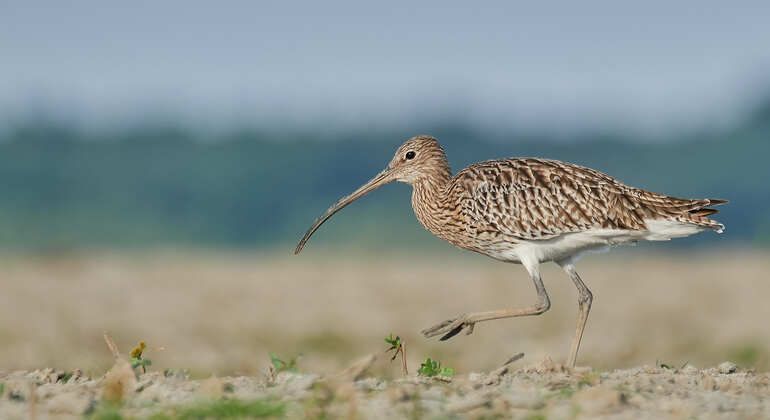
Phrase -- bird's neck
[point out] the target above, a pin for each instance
(429, 198)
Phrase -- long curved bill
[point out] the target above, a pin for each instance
(381, 179)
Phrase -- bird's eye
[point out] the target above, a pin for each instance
(410, 155)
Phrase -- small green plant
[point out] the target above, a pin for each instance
(225, 409)
(106, 411)
(397, 347)
(431, 368)
(2, 389)
(136, 357)
(280, 365)
(64, 377)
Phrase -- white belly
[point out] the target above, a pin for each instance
(571, 245)
(566, 246)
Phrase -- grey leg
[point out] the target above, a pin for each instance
(585, 297)
(452, 327)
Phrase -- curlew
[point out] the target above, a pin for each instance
(529, 211)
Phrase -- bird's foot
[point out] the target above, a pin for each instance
(450, 328)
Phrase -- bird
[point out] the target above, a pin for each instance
(529, 211)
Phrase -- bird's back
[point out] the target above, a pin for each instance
(539, 199)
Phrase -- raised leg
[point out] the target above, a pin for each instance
(452, 327)
(585, 297)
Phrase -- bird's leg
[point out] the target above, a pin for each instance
(585, 297)
(452, 327)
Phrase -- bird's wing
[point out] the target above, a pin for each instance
(540, 199)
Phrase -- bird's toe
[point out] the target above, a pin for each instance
(453, 332)
(449, 328)
(437, 329)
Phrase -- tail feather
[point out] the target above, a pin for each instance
(716, 202)
(703, 212)
(683, 217)
(698, 214)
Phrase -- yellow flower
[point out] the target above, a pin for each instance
(136, 353)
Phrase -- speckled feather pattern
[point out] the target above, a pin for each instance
(529, 199)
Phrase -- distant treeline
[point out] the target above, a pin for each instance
(61, 187)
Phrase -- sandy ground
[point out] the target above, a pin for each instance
(221, 313)
(542, 390)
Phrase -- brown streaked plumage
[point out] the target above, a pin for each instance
(529, 211)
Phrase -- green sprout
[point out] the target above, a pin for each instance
(223, 409)
(64, 377)
(280, 365)
(430, 368)
(136, 357)
(397, 347)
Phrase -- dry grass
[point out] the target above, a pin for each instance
(222, 313)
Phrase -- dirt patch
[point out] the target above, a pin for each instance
(223, 313)
(541, 390)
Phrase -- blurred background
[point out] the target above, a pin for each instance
(159, 161)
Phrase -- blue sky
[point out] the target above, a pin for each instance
(648, 66)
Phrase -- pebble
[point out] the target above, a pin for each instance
(295, 383)
(727, 367)
(621, 394)
(689, 369)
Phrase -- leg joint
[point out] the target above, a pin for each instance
(543, 306)
(585, 297)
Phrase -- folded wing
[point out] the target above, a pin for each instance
(535, 199)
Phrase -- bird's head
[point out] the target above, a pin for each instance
(419, 158)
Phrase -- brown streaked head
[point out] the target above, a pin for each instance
(415, 160)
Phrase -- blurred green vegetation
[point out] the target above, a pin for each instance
(750, 355)
(61, 187)
(232, 409)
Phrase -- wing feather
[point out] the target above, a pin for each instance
(531, 198)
